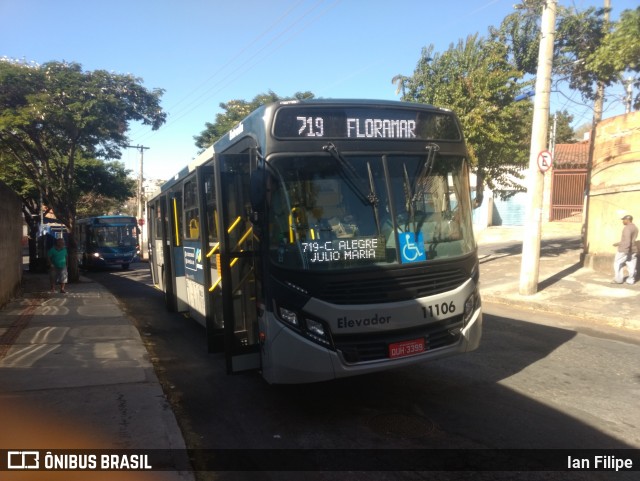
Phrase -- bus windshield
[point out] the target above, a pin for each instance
(113, 236)
(354, 211)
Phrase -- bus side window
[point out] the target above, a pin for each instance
(191, 211)
(159, 224)
(212, 212)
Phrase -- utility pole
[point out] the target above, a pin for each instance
(140, 177)
(531, 240)
(629, 95)
(598, 105)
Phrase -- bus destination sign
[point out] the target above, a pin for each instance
(364, 123)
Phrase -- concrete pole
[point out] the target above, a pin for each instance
(531, 238)
(598, 105)
(140, 180)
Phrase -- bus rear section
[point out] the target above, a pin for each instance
(107, 241)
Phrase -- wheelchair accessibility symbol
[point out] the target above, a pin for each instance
(412, 249)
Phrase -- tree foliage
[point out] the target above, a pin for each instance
(564, 133)
(236, 110)
(103, 187)
(588, 49)
(578, 34)
(619, 52)
(520, 33)
(476, 80)
(56, 120)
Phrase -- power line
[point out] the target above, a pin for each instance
(236, 72)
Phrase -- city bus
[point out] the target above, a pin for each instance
(107, 240)
(322, 239)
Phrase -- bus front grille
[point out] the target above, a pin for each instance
(391, 288)
(375, 346)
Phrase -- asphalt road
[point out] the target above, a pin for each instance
(531, 385)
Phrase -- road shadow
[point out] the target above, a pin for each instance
(550, 281)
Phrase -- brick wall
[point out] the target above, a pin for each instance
(11, 221)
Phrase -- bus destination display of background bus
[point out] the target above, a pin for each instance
(362, 123)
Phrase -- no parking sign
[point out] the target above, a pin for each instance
(545, 159)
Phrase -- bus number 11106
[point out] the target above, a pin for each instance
(437, 310)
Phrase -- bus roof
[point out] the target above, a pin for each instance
(108, 220)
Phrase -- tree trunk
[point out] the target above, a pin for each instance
(73, 268)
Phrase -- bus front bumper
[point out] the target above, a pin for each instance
(292, 359)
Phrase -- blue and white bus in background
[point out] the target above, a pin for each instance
(107, 240)
(325, 238)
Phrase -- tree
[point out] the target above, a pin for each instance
(582, 130)
(235, 111)
(589, 49)
(578, 34)
(520, 33)
(618, 52)
(399, 81)
(104, 187)
(475, 79)
(564, 131)
(55, 117)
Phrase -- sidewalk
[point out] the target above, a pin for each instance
(564, 286)
(74, 374)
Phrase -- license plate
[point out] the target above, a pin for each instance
(406, 348)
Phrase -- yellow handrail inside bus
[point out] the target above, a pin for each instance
(298, 222)
(175, 220)
(244, 236)
(215, 284)
(213, 250)
(235, 260)
(233, 226)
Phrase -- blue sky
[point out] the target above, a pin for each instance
(207, 52)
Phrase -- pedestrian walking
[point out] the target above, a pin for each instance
(627, 254)
(57, 258)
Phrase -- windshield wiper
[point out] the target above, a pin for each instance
(414, 190)
(427, 167)
(373, 197)
(349, 174)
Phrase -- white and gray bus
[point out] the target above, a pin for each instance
(325, 238)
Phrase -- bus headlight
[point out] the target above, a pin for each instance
(470, 306)
(312, 329)
(289, 316)
(316, 331)
(315, 327)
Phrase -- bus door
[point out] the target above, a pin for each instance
(237, 260)
(153, 228)
(210, 256)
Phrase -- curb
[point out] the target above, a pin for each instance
(534, 305)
